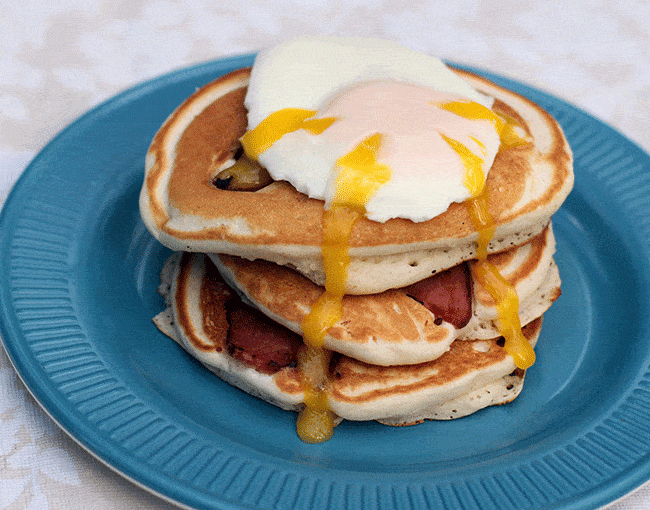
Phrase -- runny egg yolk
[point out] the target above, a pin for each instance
(278, 124)
(359, 177)
(504, 294)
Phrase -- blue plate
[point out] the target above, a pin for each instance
(78, 280)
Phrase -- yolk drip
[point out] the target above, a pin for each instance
(504, 294)
(473, 111)
(508, 322)
(278, 124)
(477, 207)
(504, 125)
(359, 178)
(474, 176)
(315, 422)
(502, 291)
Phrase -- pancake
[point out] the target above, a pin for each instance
(392, 328)
(183, 209)
(425, 322)
(471, 375)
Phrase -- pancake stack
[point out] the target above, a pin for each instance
(419, 337)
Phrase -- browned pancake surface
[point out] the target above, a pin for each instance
(363, 390)
(355, 381)
(280, 215)
(392, 315)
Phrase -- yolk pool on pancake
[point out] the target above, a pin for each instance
(360, 176)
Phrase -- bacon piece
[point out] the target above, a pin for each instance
(447, 295)
(257, 341)
(215, 293)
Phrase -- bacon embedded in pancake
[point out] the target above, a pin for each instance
(447, 295)
(387, 328)
(470, 376)
(259, 342)
(392, 328)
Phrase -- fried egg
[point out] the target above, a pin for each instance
(362, 87)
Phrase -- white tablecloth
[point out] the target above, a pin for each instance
(57, 59)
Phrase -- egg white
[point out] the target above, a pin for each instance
(306, 71)
(343, 77)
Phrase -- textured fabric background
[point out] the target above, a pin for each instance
(59, 58)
